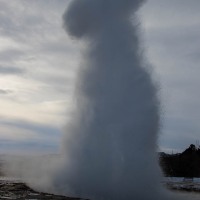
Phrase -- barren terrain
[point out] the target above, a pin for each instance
(10, 189)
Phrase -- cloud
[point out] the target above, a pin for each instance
(4, 92)
(19, 135)
(35, 48)
(52, 112)
(172, 40)
(10, 55)
(30, 147)
(7, 70)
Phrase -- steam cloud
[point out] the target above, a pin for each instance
(112, 142)
(109, 150)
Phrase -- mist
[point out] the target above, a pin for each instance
(108, 151)
(111, 142)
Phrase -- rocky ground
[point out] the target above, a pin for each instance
(18, 190)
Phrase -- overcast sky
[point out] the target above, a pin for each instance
(38, 64)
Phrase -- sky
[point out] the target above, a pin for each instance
(38, 65)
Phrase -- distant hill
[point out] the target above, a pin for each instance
(185, 164)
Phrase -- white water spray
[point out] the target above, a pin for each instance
(111, 142)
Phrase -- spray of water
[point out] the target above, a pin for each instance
(111, 140)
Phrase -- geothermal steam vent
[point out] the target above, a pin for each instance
(110, 143)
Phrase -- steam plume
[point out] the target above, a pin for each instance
(112, 138)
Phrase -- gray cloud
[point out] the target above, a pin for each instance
(11, 55)
(7, 70)
(29, 147)
(4, 92)
(47, 136)
(39, 128)
(172, 37)
(36, 20)
(42, 39)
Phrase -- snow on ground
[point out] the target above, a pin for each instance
(10, 179)
(180, 179)
(182, 184)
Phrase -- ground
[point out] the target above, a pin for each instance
(15, 189)
(10, 189)
(182, 184)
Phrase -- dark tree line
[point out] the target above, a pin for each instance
(185, 164)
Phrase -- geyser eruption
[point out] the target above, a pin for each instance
(109, 150)
(111, 140)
